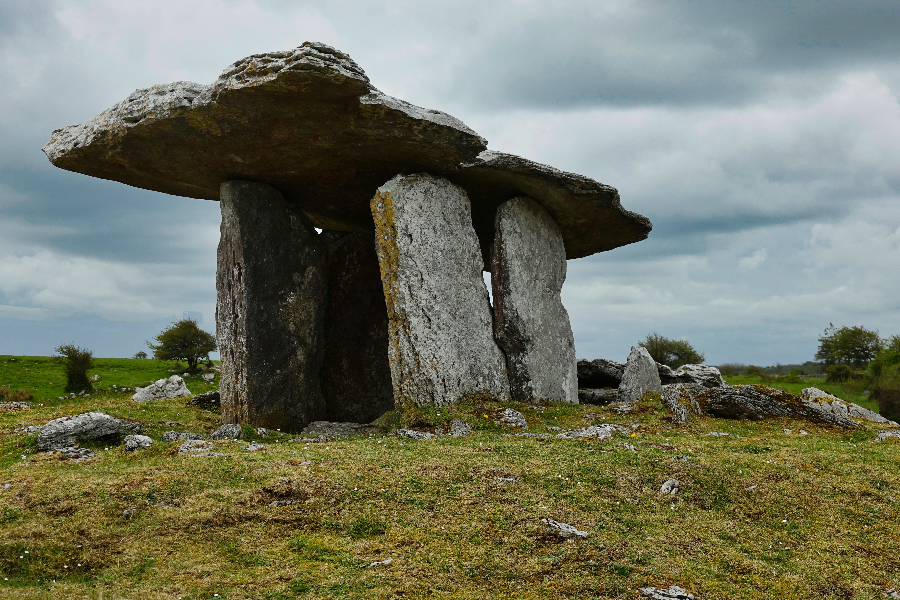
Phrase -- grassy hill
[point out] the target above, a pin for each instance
(761, 513)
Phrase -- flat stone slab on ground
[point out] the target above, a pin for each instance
(68, 431)
(564, 530)
(673, 592)
(137, 442)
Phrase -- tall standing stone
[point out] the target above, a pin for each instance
(528, 268)
(640, 376)
(271, 286)
(441, 341)
(355, 375)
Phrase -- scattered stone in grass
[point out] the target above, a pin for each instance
(337, 429)
(622, 408)
(671, 486)
(228, 431)
(14, 406)
(538, 408)
(804, 432)
(174, 436)
(507, 479)
(788, 431)
(601, 432)
(130, 513)
(717, 434)
(310, 440)
(414, 435)
(527, 435)
(671, 593)
(751, 488)
(5, 486)
(384, 562)
(202, 454)
(136, 442)
(262, 431)
(194, 446)
(66, 431)
(629, 447)
(891, 593)
(277, 503)
(253, 447)
(682, 458)
(459, 428)
(512, 417)
(30, 429)
(209, 376)
(554, 428)
(210, 399)
(173, 424)
(564, 530)
(883, 435)
(76, 453)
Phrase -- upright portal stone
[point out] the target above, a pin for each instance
(528, 268)
(271, 285)
(641, 376)
(356, 375)
(441, 341)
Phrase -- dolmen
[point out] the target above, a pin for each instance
(355, 230)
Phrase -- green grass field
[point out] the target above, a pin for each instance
(761, 514)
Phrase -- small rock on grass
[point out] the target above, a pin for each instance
(191, 446)
(76, 453)
(136, 442)
(717, 434)
(414, 435)
(891, 593)
(384, 562)
(512, 417)
(601, 432)
(670, 593)
(887, 434)
(253, 447)
(229, 431)
(671, 486)
(174, 436)
(459, 428)
(564, 530)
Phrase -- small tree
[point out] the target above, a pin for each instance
(853, 346)
(672, 353)
(184, 341)
(76, 362)
(140, 355)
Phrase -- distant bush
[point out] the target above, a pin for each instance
(854, 346)
(76, 362)
(184, 340)
(8, 395)
(672, 353)
(731, 369)
(140, 354)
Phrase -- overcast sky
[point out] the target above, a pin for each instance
(761, 138)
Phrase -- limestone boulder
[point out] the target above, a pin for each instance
(137, 442)
(528, 269)
(173, 387)
(68, 431)
(271, 283)
(441, 343)
(708, 377)
(600, 373)
(641, 376)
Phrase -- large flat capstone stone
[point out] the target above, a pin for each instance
(528, 269)
(441, 340)
(309, 122)
(356, 374)
(271, 290)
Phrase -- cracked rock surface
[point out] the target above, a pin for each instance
(68, 431)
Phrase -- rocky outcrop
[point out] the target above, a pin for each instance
(355, 375)
(528, 269)
(752, 402)
(825, 402)
(228, 431)
(640, 376)
(441, 340)
(708, 377)
(69, 431)
(173, 387)
(271, 291)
